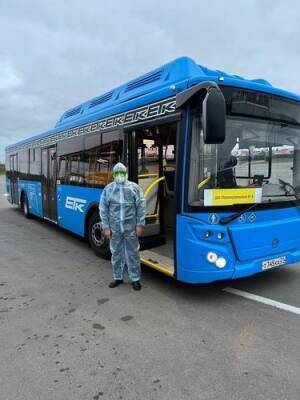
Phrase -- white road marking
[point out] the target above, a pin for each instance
(264, 300)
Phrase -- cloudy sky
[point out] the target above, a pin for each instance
(55, 54)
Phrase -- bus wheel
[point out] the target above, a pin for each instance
(25, 207)
(97, 241)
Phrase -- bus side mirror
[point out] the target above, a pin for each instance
(214, 116)
(213, 109)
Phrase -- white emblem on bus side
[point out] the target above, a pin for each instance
(213, 218)
(75, 204)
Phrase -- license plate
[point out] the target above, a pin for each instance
(273, 263)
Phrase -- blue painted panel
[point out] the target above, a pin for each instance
(248, 241)
(73, 203)
(33, 190)
(261, 239)
(192, 249)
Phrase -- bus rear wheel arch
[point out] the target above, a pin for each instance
(94, 233)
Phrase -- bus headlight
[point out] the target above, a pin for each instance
(221, 262)
(211, 257)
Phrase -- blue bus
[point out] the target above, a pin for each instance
(217, 155)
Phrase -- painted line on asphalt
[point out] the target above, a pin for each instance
(264, 300)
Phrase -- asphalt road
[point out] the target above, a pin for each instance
(65, 335)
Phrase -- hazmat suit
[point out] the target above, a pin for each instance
(122, 209)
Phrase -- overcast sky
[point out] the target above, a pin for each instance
(55, 54)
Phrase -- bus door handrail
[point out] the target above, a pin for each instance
(148, 175)
(153, 184)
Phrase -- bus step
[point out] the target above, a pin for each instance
(157, 261)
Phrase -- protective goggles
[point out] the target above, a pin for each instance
(121, 174)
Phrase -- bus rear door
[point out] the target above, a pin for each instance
(14, 182)
(49, 183)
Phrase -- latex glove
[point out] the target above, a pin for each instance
(139, 230)
(107, 232)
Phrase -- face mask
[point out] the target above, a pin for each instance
(120, 178)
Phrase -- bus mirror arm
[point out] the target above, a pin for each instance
(209, 95)
(193, 93)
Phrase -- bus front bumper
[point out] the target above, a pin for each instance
(238, 269)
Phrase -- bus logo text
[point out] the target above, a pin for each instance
(143, 113)
(75, 204)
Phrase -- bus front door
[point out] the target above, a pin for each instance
(152, 161)
(146, 169)
(14, 182)
(49, 183)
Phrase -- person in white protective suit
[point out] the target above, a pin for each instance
(122, 213)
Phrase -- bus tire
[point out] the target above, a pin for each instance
(97, 241)
(25, 207)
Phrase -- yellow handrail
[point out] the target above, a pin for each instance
(152, 215)
(147, 175)
(202, 183)
(150, 187)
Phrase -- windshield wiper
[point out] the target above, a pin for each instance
(226, 220)
(287, 188)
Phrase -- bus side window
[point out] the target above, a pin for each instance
(83, 166)
(91, 166)
(65, 169)
(62, 169)
(103, 158)
(76, 175)
(35, 161)
(90, 173)
(23, 165)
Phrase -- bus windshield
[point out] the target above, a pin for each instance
(257, 153)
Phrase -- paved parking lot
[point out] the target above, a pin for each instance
(65, 335)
